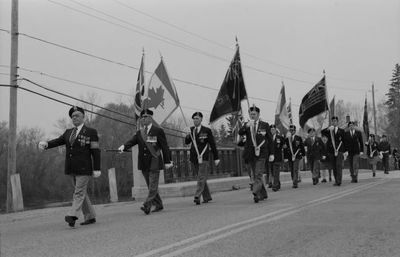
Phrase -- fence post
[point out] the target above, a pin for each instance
(17, 200)
(113, 185)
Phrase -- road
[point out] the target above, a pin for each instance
(360, 219)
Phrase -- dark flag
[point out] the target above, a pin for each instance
(365, 120)
(139, 92)
(232, 91)
(313, 103)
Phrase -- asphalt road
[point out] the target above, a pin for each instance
(360, 219)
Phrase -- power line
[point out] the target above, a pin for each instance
(163, 38)
(87, 110)
(74, 98)
(222, 45)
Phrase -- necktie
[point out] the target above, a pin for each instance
(73, 136)
(146, 130)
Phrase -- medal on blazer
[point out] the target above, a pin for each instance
(202, 136)
(253, 132)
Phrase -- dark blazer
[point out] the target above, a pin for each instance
(384, 147)
(372, 148)
(278, 143)
(354, 144)
(263, 133)
(203, 139)
(327, 151)
(297, 144)
(83, 156)
(338, 136)
(146, 161)
(313, 149)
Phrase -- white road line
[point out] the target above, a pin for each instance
(244, 225)
(274, 218)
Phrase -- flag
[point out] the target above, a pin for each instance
(365, 119)
(289, 110)
(282, 120)
(232, 91)
(313, 103)
(139, 93)
(331, 109)
(162, 97)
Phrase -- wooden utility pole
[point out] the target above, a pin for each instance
(373, 103)
(12, 137)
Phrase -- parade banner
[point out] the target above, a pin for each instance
(161, 94)
(282, 120)
(139, 92)
(232, 91)
(313, 103)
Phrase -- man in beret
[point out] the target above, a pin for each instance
(153, 154)
(337, 147)
(82, 161)
(313, 147)
(202, 143)
(354, 148)
(294, 152)
(384, 148)
(278, 143)
(257, 150)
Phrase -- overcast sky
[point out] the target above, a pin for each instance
(357, 42)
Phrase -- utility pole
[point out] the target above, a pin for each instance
(12, 137)
(373, 103)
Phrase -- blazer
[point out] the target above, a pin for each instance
(297, 144)
(372, 148)
(338, 137)
(203, 139)
(278, 144)
(156, 138)
(314, 148)
(354, 144)
(327, 151)
(83, 155)
(384, 147)
(263, 133)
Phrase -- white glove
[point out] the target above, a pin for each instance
(331, 128)
(250, 123)
(216, 162)
(96, 173)
(361, 153)
(271, 158)
(169, 165)
(187, 130)
(121, 148)
(323, 157)
(43, 145)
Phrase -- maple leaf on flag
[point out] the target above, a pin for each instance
(155, 98)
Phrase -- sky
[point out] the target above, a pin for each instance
(356, 42)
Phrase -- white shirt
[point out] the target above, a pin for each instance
(148, 128)
(79, 128)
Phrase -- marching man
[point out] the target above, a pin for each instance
(82, 161)
(258, 149)
(203, 142)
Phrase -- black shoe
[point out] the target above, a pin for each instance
(373, 174)
(157, 209)
(295, 186)
(355, 180)
(255, 198)
(196, 201)
(336, 184)
(71, 220)
(270, 185)
(88, 222)
(323, 181)
(145, 209)
(206, 201)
